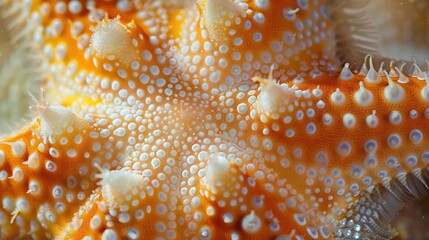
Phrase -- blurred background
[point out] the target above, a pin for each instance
(387, 29)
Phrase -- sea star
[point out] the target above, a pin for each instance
(207, 120)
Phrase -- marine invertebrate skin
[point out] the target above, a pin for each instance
(205, 120)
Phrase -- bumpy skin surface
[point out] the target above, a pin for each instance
(162, 120)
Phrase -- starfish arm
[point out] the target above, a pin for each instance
(46, 172)
(314, 135)
(248, 38)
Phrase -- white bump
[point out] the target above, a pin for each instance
(425, 91)
(327, 119)
(414, 114)
(344, 148)
(18, 148)
(33, 161)
(312, 231)
(17, 174)
(300, 218)
(394, 140)
(120, 132)
(33, 188)
(349, 120)
(109, 234)
(416, 136)
(217, 171)
(273, 98)
(242, 108)
(57, 192)
(317, 92)
(372, 120)
(320, 104)
(393, 92)
(370, 146)
(112, 184)
(395, 117)
(75, 7)
(363, 96)
(112, 40)
(346, 74)
(338, 97)
(251, 223)
(310, 128)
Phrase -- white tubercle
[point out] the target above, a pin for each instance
(33, 161)
(251, 223)
(317, 92)
(274, 98)
(402, 78)
(425, 90)
(372, 120)
(116, 184)
(395, 117)
(349, 120)
(338, 97)
(393, 92)
(346, 73)
(33, 188)
(17, 174)
(217, 172)
(372, 76)
(363, 96)
(111, 38)
(18, 148)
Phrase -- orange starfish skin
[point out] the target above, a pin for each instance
(158, 124)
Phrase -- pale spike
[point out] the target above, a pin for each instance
(392, 72)
(364, 70)
(14, 214)
(402, 78)
(417, 172)
(372, 76)
(402, 66)
(363, 96)
(427, 63)
(387, 185)
(393, 92)
(380, 70)
(292, 11)
(402, 177)
(346, 74)
(417, 71)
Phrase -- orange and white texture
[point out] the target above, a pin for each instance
(209, 119)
